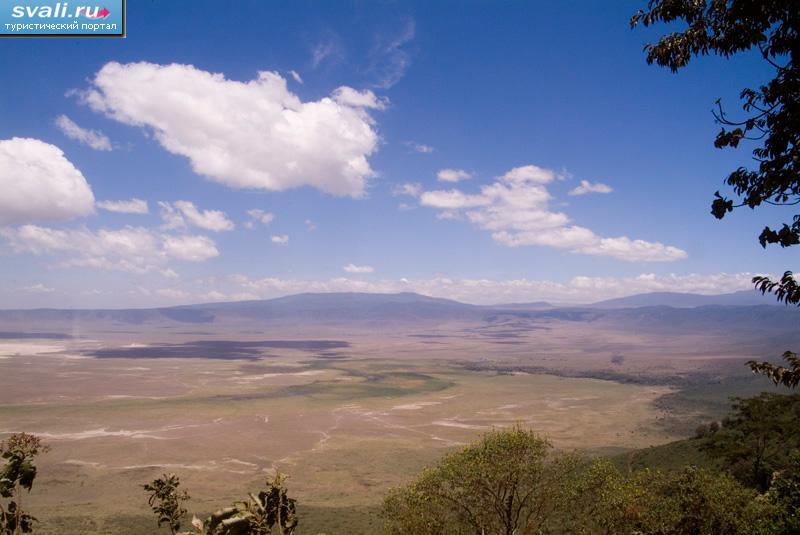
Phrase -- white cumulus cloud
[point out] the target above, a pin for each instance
(280, 239)
(190, 248)
(452, 199)
(589, 187)
(92, 138)
(453, 175)
(254, 134)
(515, 209)
(181, 214)
(131, 249)
(132, 206)
(39, 184)
(359, 99)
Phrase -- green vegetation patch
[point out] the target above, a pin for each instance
(391, 384)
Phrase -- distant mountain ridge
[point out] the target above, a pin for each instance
(347, 306)
(307, 307)
(663, 308)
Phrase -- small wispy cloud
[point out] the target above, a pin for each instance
(410, 189)
(327, 50)
(171, 293)
(419, 147)
(389, 60)
(296, 76)
(453, 175)
(37, 289)
(91, 138)
(588, 187)
(280, 239)
(132, 206)
(258, 216)
(352, 268)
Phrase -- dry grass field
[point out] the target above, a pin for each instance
(348, 413)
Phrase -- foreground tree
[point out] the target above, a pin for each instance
(785, 494)
(16, 475)
(758, 438)
(771, 113)
(509, 482)
(607, 502)
(692, 501)
(697, 501)
(271, 512)
(167, 501)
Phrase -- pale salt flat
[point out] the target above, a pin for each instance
(16, 349)
(415, 406)
(456, 423)
(104, 432)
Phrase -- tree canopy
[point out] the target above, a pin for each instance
(508, 483)
(270, 512)
(772, 110)
(758, 437)
(770, 119)
(17, 474)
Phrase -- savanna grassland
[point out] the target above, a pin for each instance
(347, 410)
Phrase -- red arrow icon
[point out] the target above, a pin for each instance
(103, 13)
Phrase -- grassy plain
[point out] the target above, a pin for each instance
(348, 413)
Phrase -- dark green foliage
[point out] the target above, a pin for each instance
(785, 494)
(697, 501)
(705, 430)
(701, 431)
(691, 501)
(271, 512)
(670, 457)
(758, 438)
(780, 375)
(17, 474)
(787, 291)
(509, 482)
(167, 501)
(772, 111)
(607, 502)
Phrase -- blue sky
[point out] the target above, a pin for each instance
(342, 150)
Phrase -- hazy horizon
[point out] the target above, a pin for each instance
(757, 298)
